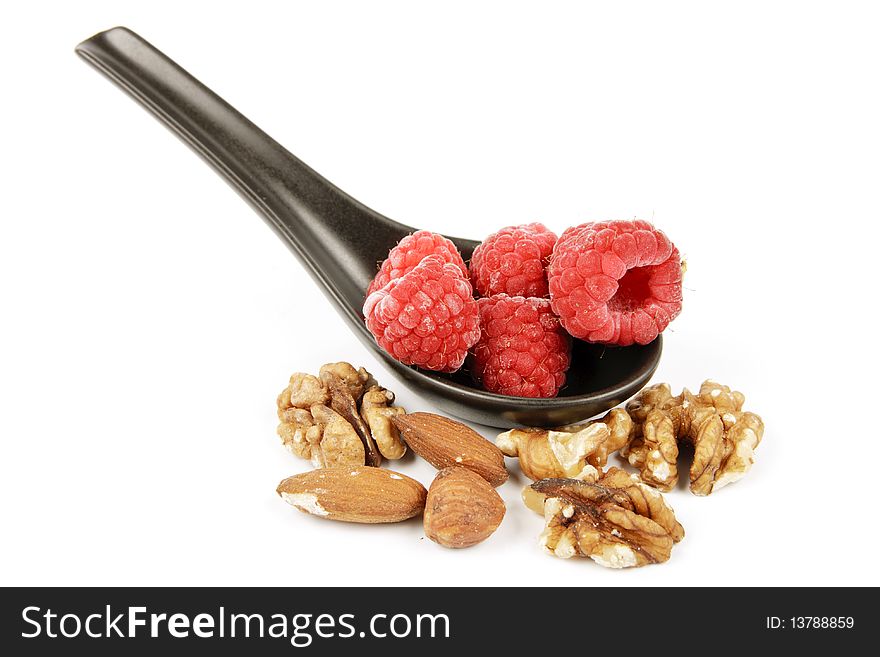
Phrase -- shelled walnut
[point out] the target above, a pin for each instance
(340, 417)
(572, 451)
(723, 436)
(614, 519)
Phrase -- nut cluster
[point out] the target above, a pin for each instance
(345, 423)
(621, 520)
(341, 417)
(648, 433)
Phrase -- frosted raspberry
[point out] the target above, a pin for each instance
(523, 351)
(615, 282)
(512, 261)
(409, 252)
(427, 317)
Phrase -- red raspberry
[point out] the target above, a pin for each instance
(427, 317)
(409, 252)
(523, 351)
(615, 282)
(512, 261)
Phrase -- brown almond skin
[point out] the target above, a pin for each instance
(445, 443)
(462, 509)
(355, 494)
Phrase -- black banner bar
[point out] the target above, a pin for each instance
(401, 620)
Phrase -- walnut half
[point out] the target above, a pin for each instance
(339, 418)
(723, 436)
(573, 451)
(615, 520)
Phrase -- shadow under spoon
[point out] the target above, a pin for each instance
(340, 241)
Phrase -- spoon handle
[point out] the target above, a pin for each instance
(338, 239)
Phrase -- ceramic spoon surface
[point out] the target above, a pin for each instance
(340, 241)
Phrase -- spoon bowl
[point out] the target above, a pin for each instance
(341, 242)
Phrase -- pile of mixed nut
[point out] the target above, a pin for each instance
(346, 423)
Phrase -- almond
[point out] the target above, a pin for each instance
(445, 443)
(462, 509)
(355, 494)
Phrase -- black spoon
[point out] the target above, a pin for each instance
(340, 241)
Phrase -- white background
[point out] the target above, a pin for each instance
(149, 317)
